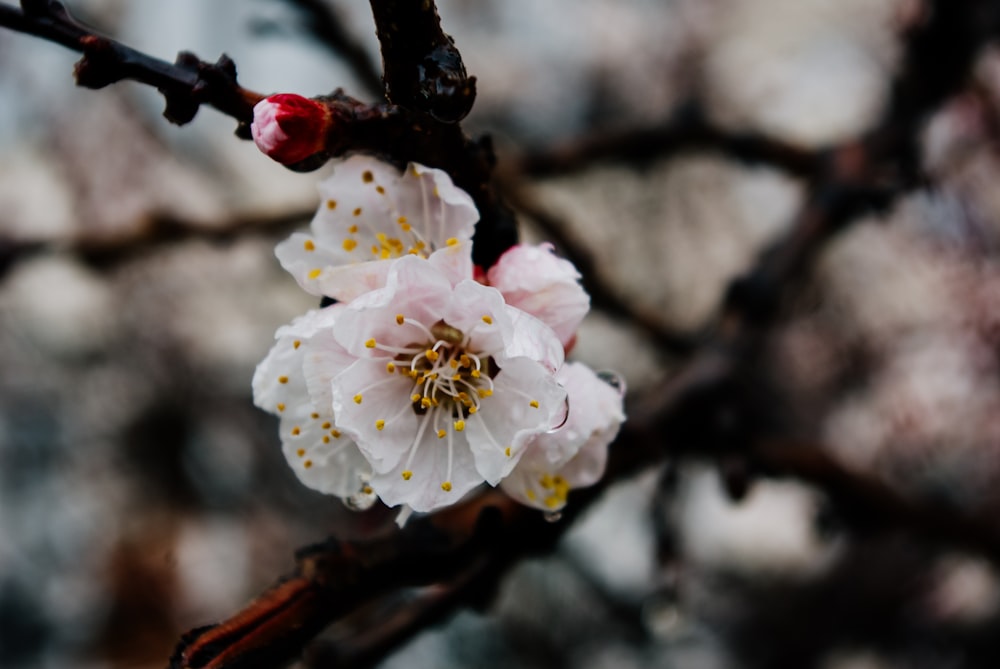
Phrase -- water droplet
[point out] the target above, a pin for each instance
(360, 501)
(553, 516)
(615, 380)
(562, 418)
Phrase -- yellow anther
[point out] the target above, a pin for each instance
(407, 474)
(370, 343)
(375, 249)
(546, 482)
(401, 220)
(530, 494)
(415, 397)
(307, 464)
(420, 246)
(379, 424)
(452, 241)
(473, 410)
(326, 425)
(453, 363)
(400, 319)
(488, 320)
(367, 490)
(281, 406)
(296, 431)
(314, 415)
(331, 204)
(406, 227)
(314, 273)
(457, 377)
(353, 229)
(446, 486)
(475, 374)
(335, 434)
(432, 355)
(379, 190)
(350, 244)
(357, 212)
(308, 245)
(506, 451)
(466, 362)
(384, 254)
(534, 404)
(296, 344)
(381, 236)
(367, 176)
(459, 425)
(390, 367)
(413, 374)
(326, 439)
(300, 452)
(357, 398)
(425, 402)
(282, 379)
(484, 392)
(442, 434)
(552, 501)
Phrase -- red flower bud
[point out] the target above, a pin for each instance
(290, 128)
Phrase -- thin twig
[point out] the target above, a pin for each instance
(109, 252)
(186, 84)
(687, 130)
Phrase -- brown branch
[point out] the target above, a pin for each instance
(685, 131)
(186, 84)
(423, 70)
(603, 295)
(109, 252)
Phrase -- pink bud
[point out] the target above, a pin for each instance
(290, 128)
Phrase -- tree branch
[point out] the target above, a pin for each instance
(186, 84)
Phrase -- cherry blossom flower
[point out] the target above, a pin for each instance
(322, 456)
(290, 128)
(372, 213)
(535, 280)
(439, 385)
(574, 455)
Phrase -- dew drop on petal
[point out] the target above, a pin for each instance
(562, 418)
(615, 380)
(362, 500)
(553, 516)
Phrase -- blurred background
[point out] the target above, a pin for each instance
(141, 493)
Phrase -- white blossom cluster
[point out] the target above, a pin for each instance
(429, 377)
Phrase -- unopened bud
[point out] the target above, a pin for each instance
(290, 128)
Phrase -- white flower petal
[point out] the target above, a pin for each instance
(429, 483)
(322, 458)
(373, 406)
(414, 289)
(573, 456)
(526, 401)
(535, 280)
(533, 339)
(372, 213)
